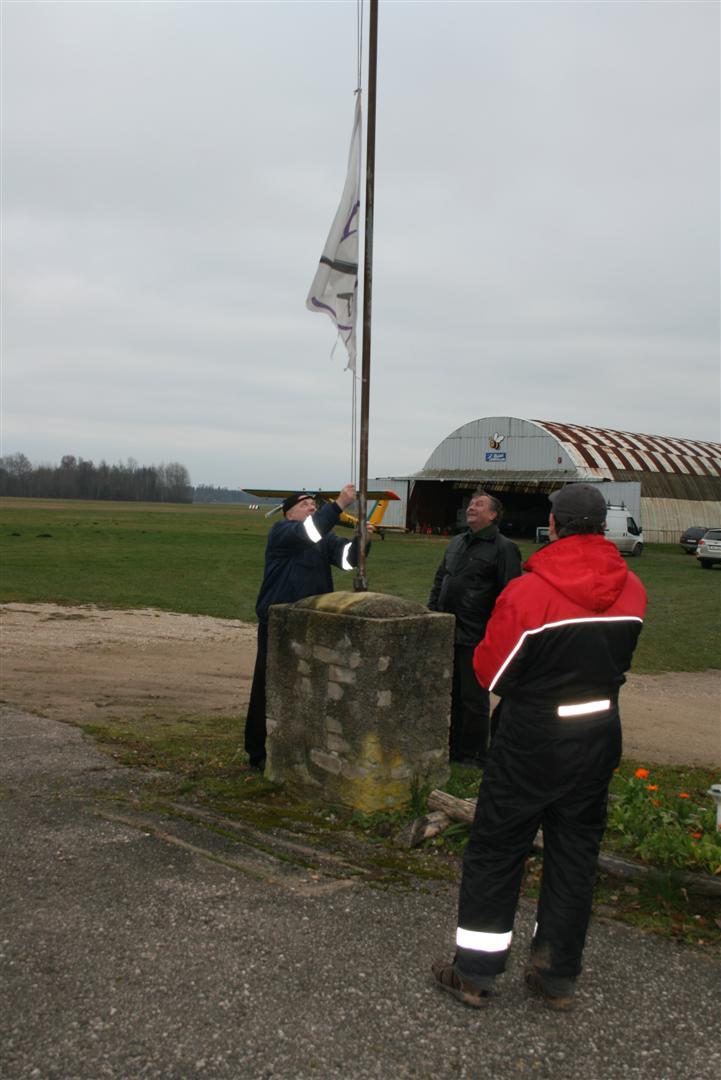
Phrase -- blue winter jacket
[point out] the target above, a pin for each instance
(299, 556)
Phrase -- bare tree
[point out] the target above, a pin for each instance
(74, 478)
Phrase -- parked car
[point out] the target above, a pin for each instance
(708, 551)
(623, 531)
(690, 538)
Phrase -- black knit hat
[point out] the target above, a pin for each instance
(578, 502)
(295, 498)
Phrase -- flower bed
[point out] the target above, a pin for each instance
(653, 821)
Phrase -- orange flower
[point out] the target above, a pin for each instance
(641, 774)
(684, 795)
(696, 835)
(651, 787)
(655, 802)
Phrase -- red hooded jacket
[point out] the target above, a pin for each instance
(566, 630)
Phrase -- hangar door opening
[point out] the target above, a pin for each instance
(440, 505)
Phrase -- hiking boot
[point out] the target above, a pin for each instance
(447, 978)
(561, 1000)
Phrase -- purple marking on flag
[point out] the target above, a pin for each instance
(347, 231)
(325, 307)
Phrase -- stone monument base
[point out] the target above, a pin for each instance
(358, 699)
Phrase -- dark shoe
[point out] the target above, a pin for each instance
(560, 1000)
(470, 762)
(448, 979)
(257, 764)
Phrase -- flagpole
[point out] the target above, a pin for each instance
(360, 583)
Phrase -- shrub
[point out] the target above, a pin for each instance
(670, 829)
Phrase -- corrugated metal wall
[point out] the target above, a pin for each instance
(504, 444)
(500, 450)
(665, 519)
(676, 486)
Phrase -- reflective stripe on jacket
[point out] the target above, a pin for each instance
(563, 635)
(299, 556)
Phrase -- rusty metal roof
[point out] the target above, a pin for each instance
(606, 452)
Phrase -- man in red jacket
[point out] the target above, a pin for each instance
(555, 650)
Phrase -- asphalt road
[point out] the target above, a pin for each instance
(135, 945)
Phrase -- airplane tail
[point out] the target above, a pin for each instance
(375, 514)
(378, 512)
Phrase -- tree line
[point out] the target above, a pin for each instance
(207, 493)
(75, 478)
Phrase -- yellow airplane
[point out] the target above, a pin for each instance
(374, 515)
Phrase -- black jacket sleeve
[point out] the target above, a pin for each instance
(337, 548)
(437, 585)
(509, 562)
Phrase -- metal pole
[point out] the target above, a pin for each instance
(360, 583)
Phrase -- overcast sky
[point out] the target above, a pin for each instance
(546, 227)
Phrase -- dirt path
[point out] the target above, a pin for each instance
(81, 663)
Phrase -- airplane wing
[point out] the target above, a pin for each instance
(375, 512)
(318, 493)
(271, 493)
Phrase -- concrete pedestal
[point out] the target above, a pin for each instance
(358, 698)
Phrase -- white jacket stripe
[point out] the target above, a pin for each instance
(584, 708)
(553, 626)
(310, 528)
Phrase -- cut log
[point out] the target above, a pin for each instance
(456, 809)
(699, 884)
(423, 828)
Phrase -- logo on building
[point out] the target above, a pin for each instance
(495, 441)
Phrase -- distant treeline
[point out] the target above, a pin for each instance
(75, 478)
(206, 493)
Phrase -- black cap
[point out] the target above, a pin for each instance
(578, 502)
(295, 498)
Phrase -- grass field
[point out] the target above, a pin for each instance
(209, 560)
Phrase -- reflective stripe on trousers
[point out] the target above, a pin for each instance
(483, 941)
(542, 770)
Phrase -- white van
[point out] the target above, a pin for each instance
(623, 531)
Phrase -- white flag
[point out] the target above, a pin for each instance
(334, 291)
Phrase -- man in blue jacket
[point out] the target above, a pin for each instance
(298, 557)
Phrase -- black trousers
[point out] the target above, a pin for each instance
(470, 708)
(549, 771)
(255, 719)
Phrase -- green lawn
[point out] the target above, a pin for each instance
(209, 560)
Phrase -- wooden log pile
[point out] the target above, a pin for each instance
(444, 809)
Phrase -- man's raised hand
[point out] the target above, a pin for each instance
(346, 496)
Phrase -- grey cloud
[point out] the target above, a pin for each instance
(546, 242)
